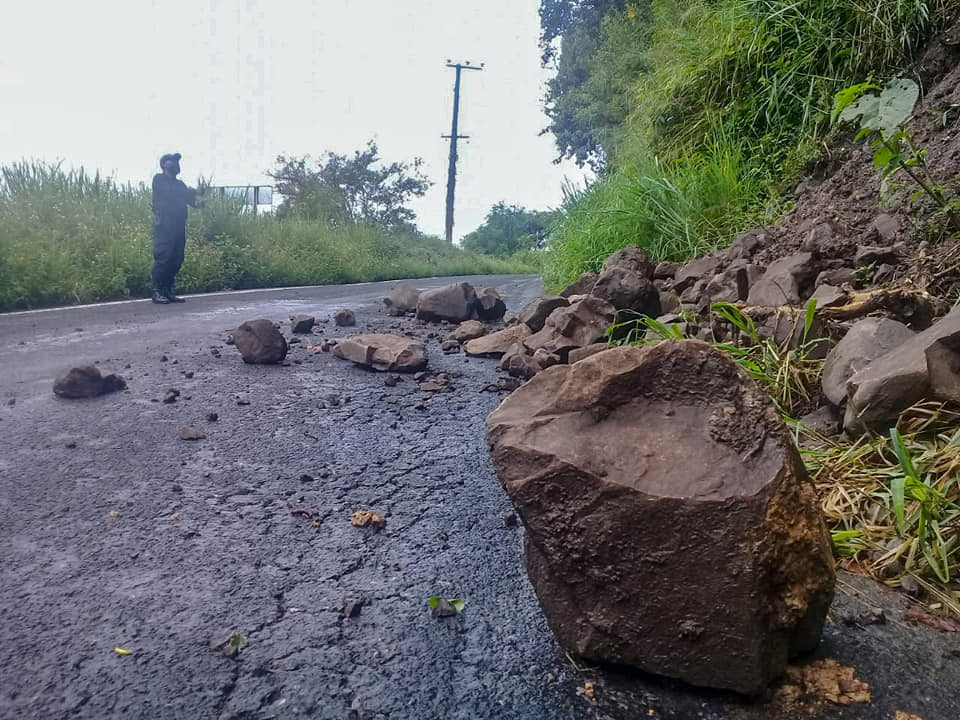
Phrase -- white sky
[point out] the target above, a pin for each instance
(233, 83)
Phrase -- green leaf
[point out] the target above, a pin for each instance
(883, 113)
(882, 156)
(848, 96)
(433, 600)
(458, 604)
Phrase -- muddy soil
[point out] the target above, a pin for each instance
(115, 533)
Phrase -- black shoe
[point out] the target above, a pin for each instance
(160, 298)
(168, 294)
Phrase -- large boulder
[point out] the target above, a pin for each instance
(379, 351)
(259, 342)
(490, 306)
(453, 303)
(577, 325)
(865, 341)
(402, 299)
(581, 286)
(785, 282)
(536, 312)
(669, 521)
(496, 344)
(633, 258)
(627, 289)
(926, 365)
(86, 381)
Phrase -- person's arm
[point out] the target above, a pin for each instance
(194, 198)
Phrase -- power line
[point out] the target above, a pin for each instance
(454, 136)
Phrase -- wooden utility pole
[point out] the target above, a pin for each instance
(454, 136)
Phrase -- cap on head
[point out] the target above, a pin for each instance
(169, 156)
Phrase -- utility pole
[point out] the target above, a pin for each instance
(454, 136)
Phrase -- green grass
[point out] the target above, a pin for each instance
(734, 108)
(72, 237)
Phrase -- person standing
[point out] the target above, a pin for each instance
(170, 200)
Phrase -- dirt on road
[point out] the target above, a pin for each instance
(128, 556)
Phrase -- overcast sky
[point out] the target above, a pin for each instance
(233, 83)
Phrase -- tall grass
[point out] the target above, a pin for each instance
(68, 236)
(733, 109)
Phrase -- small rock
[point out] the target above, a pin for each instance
(509, 519)
(344, 318)
(171, 396)
(909, 585)
(402, 299)
(490, 306)
(212, 417)
(450, 346)
(190, 432)
(581, 286)
(536, 312)
(302, 323)
(391, 380)
(872, 254)
(87, 381)
(665, 270)
(71, 445)
(828, 296)
(383, 352)
(444, 608)
(163, 358)
(351, 609)
(363, 518)
(785, 282)
(454, 303)
(468, 330)
(259, 342)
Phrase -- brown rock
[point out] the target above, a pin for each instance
(836, 277)
(453, 303)
(536, 312)
(626, 289)
(519, 363)
(581, 286)
(192, 433)
(363, 518)
(402, 299)
(496, 344)
(344, 318)
(546, 359)
(785, 281)
(702, 268)
(665, 270)
(260, 342)
(87, 381)
(828, 296)
(302, 323)
(669, 522)
(925, 366)
(383, 352)
(490, 306)
(450, 346)
(745, 245)
(578, 325)
(468, 330)
(669, 301)
(633, 258)
(578, 354)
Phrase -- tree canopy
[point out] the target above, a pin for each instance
(509, 228)
(350, 188)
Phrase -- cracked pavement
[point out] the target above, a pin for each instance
(115, 533)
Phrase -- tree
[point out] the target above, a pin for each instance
(509, 228)
(598, 48)
(357, 188)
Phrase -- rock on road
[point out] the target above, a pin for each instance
(117, 534)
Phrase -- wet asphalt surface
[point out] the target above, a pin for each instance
(115, 533)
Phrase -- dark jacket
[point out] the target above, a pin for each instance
(170, 200)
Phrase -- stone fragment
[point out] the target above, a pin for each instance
(519, 363)
(453, 303)
(450, 346)
(581, 286)
(577, 325)
(923, 366)
(669, 522)
(626, 289)
(633, 258)
(836, 277)
(468, 330)
(302, 323)
(536, 312)
(745, 245)
(86, 381)
(344, 318)
(886, 227)
(665, 270)
(190, 432)
(363, 518)
(260, 342)
(821, 238)
(828, 296)
(733, 284)
(785, 281)
(402, 299)
(703, 267)
(490, 306)
(497, 343)
(874, 255)
(824, 421)
(578, 354)
(383, 352)
(669, 301)
(546, 359)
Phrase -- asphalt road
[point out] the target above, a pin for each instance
(115, 533)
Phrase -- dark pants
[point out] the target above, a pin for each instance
(168, 246)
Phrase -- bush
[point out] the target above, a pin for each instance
(72, 237)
